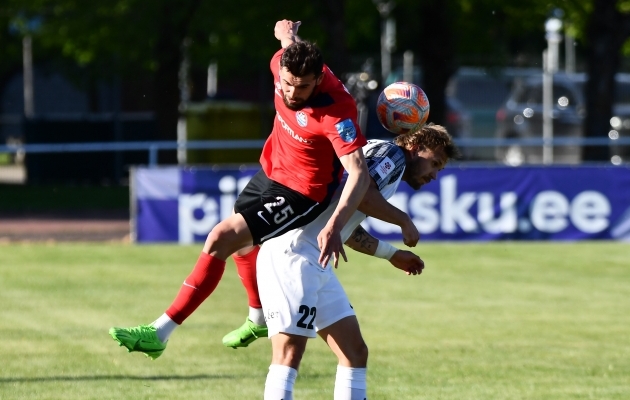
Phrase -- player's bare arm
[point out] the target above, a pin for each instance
(375, 205)
(286, 32)
(329, 239)
(360, 240)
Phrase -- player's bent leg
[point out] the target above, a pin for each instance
(288, 349)
(227, 237)
(246, 267)
(198, 285)
(287, 353)
(345, 340)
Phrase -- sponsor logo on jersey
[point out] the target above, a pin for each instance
(290, 131)
(385, 167)
(346, 130)
(301, 118)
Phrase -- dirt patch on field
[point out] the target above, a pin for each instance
(65, 227)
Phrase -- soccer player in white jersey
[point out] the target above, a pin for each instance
(300, 298)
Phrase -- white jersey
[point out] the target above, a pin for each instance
(386, 164)
(299, 296)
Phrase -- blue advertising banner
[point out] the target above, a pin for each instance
(182, 205)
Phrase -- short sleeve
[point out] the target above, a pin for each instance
(274, 64)
(386, 163)
(345, 135)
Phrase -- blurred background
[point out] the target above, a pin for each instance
(130, 82)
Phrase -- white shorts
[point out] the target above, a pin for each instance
(298, 297)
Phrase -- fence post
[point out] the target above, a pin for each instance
(153, 156)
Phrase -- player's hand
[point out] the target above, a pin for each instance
(408, 262)
(286, 28)
(410, 233)
(329, 240)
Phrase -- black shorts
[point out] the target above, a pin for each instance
(271, 209)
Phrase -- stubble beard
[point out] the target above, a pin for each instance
(293, 107)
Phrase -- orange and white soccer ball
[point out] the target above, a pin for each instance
(402, 107)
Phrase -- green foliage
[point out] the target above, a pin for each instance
(51, 198)
(484, 321)
(135, 37)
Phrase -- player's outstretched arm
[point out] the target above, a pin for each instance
(360, 240)
(286, 32)
(375, 206)
(329, 239)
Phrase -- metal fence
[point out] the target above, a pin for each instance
(153, 147)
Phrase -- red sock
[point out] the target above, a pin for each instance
(246, 267)
(201, 282)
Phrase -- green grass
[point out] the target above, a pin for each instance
(484, 321)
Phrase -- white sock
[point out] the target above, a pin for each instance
(280, 381)
(350, 383)
(257, 316)
(165, 327)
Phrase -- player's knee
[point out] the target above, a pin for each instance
(219, 240)
(290, 354)
(358, 355)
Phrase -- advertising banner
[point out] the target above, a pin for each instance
(175, 204)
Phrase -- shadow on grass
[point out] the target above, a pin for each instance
(115, 377)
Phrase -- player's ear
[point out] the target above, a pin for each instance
(414, 149)
(320, 78)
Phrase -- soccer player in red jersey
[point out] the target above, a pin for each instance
(314, 138)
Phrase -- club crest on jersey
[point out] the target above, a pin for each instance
(346, 130)
(301, 118)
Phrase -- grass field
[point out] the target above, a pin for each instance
(484, 321)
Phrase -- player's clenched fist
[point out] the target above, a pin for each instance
(408, 262)
(286, 28)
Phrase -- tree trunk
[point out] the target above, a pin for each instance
(437, 55)
(607, 30)
(169, 56)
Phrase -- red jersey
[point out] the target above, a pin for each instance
(304, 147)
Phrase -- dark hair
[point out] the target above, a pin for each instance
(431, 137)
(303, 58)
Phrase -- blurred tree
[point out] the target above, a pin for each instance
(607, 29)
(425, 27)
(142, 42)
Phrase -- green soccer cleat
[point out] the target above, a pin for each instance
(142, 338)
(243, 336)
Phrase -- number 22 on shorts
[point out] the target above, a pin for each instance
(306, 311)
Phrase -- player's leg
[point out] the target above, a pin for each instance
(288, 350)
(281, 210)
(345, 340)
(288, 288)
(338, 326)
(265, 209)
(228, 236)
(255, 326)
(151, 339)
